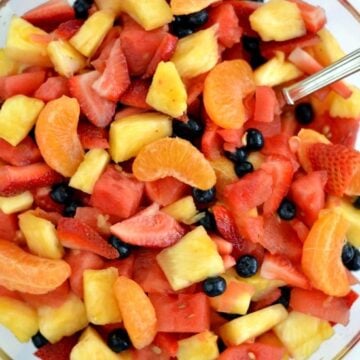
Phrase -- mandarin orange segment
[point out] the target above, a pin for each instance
(321, 258)
(28, 273)
(174, 157)
(227, 84)
(56, 135)
(137, 312)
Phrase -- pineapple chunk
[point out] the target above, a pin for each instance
(256, 158)
(17, 203)
(20, 318)
(150, 14)
(278, 20)
(237, 331)
(65, 320)
(276, 71)
(7, 65)
(192, 259)
(202, 346)
(346, 108)
(92, 32)
(89, 171)
(225, 174)
(352, 215)
(183, 210)
(18, 115)
(21, 45)
(184, 7)
(303, 334)
(100, 301)
(130, 134)
(167, 92)
(197, 53)
(41, 236)
(67, 61)
(109, 5)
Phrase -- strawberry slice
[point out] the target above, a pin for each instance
(67, 29)
(75, 234)
(53, 88)
(43, 200)
(150, 227)
(59, 351)
(98, 110)
(136, 93)
(92, 137)
(17, 179)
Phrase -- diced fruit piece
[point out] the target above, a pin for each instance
(183, 210)
(18, 115)
(40, 235)
(314, 16)
(184, 7)
(90, 170)
(8, 226)
(321, 258)
(167, 92)
(20, 44)
(7, 65)
(137, 311)
(150, 15)
(239, 330)
(53, 88)
(100, 302)
(65, 320)
(66, 60)
(94, 218)
(278, 20)
(352, 215)
(67, 29)
(202, 346)
(92, 32)
(197, 53)
(130, 134)
(57, 137)
(258, 350)
(265, 105)
(109, 5)
(224, 104)
(26, 324)
(194, 258)
(225, 173)
(171, 157)
(92, 137)
(302, 334)
(346, 108)
(28, 273)
(117, 193)
(17, 203)
(61, 350)
(135, 95)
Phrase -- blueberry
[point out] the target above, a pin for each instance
(123, 248)
(251, 44)
(61, 193)
(256, 60)
(304, 113)
(81, 8)
(39, 340)
(243, 168)
(356, 203)
(287, 209)
(284, 298)
(240, 154)
(185, 25)
(348, 253)
(354, 263)
(214, 286)
(180, 31)
(197, 19)
(190, 130)
(229, 316)
(204, 196)
(208, 221)
(254, 140)
(246, 266)
(221, 345)
(118, 340)
(70, 209)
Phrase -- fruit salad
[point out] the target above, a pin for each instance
(158, 198)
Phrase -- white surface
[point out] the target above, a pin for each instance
(347, 30)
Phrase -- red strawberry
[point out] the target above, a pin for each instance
(150, 227)
(8, 226)
(314, 16)
(97, 109)
(67, 29)
(17, 179)
(53, 88)
(75, 234)
(59, 351)
(92, 137)
(136, 93)
(44, 201)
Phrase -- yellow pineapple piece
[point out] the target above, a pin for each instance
(197, 53)
(150, 14)
(201, 346)
(192, 259)
(346, 108)
(17, 203)
(278, 20)
(303, 334)
(352, 215)
(7, 65)
(65, 320)
(20, 318)
(21, 46)
(66, 60)
(109, 5)
(100, 301)
(18, 115)
(183, 210)
(167, 92)
(130, 134)
(184, 7)
(92, 32)
(41, 236)
(225, 173)
(256, 159)
(90, 169)
(276, 71)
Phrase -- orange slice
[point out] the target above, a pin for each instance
(56, 135)
(174, 157)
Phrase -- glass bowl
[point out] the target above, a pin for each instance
(344, 22)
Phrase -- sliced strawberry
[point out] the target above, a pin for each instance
(195, 87)
(94, 218)
(265, 104)
(67, 29)
(250, 227)
(59, 351)
(115, 79)
(75, 234)
(211, 142)
(223, 246)
(136, 93)
(98, 110)
(100, 62)
(314, 16)
(17, 179)
(92, 137)
(53, 88)
(150, 227)
(8, 226)
(43, 200)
